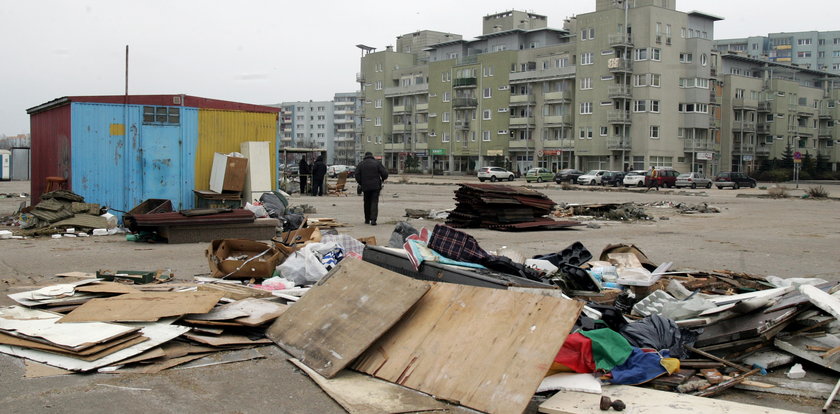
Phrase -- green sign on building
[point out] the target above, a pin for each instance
(438, 151)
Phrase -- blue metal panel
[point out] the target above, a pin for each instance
(119, 161)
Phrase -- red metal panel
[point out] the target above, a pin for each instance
(50, 148)
(169, 100)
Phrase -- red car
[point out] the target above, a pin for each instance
(667, 178)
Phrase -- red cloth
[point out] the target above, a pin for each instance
(576, 354)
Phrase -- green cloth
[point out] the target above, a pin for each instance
(609, 348)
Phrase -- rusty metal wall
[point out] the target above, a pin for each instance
(222, 131)
(51, 141)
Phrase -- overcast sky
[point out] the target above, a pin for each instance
(262, 51)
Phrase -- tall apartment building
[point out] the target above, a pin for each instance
(307, 124)
(347, 124)
(810, 50)
(627, 86)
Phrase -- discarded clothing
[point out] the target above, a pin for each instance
(641, 367)
(660, 333)
(609, 349)
(416, 246)
(401, 232)
(575, 355)
(456, 245)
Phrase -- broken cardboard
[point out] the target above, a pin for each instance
(261, 259)
(143, 307)
(248, 312)
(488, 349)
(40, 326)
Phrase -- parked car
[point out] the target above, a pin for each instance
(693, 180)
(635, 178)
(334, 170)
(592, 177)
(666, 177)
(568, 175)
(539, 175)
(612, 178)
(735, 180)
(494, 174)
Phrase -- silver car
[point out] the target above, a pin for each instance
(693, 180)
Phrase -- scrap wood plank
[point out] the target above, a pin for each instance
(822, 300)
(798, 347)
(233, 291)
(488, 349)
(344, 314)
(362, 394)
(143, 307)
(157, 333)
(646, 400)
(107, 287)
(226, 340)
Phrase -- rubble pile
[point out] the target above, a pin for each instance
(606, 211)
(61, 212)
(617, 318)
(502, 207)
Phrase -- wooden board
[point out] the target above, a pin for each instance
(143, 307)
(41, 326)
(233, 291)
(488, 349)
(226, 340)
(107, 287)
(248, 312)
(347, 311)
(645, 400)
(362, 394)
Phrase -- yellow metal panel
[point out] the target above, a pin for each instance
(222, 131)
(117, 129)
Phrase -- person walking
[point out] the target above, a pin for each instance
(319, 171)
(303, 173)
(370, 174)
(654, 179)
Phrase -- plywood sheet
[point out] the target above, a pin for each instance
(40, 326)
(157, 333)
(488, 349)
(338, 319)
(108, 287)
(362, 394)
(646, 400)
(248, 312)
(143, 307)
(226, 340)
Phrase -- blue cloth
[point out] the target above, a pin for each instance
(639, 368)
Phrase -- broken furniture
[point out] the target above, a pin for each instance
(258, 169)
(338, 189)
(210, 199)
(203, 225)
(228, 173)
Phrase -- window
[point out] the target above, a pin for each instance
(654, 79)
(654, 106)
(739, 93)
(585, 83)
(445, 77)
(379, 139)
(803, 54)
(378, 121)
(487, 114)
(704, 60)
(803, 42)
(379, 103)
(640, 54)
(161, 115)
(686, 58)
(445, 117)
(445, 137)
(485, 136)
(379, 85)
(563, 62)
(447, 96)
(586, 108)
(656, 54)
(488, 92)
(488, 71)
(586, 58)
(587, 34)
(604, 131)
(639, 106)
(640, 80)
(654, 132)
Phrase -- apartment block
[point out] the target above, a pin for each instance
(347, 125)
(308, 124)
(627, 86)
(810, 50)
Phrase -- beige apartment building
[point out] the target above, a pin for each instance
(630, 85)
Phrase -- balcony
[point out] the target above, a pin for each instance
(620, 91)
(617, 65)
(745, 149)
(405, 108)
(713, 72)
(520, 144)
(462, 124)
(693, 145)
(557, 120)
(805, 111)
(620, 40)
(747, 126)
(422, 107)
(792, 129)
(741, 103)
(526, 99)
(395, 147)
(397, 128)
(561, 96)
(522, 122)
(763, 128)
(763, 150)
(826, 132)
(565, 144)
(618, 117)
(826, 113)
(618, 143)
(803, 130)
(765, 106)
(464, 103)
(464, 82)
(567, 72)
(422, 126)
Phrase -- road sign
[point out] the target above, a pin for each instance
(797, 155)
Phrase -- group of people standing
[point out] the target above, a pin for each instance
(370, 175)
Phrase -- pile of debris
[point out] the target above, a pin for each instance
(63, 212)
(502, 207)
(606, 211)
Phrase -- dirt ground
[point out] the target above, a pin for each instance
(790, 237)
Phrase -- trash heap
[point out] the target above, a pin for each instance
(502, 207)
(615, 330)
(62, 212)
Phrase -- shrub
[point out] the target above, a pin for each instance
(817, 192)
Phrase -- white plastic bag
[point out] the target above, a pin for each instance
(258, 210)
(304, 266)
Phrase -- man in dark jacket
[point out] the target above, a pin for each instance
(319, 170)
(303, 174)
(370, 174)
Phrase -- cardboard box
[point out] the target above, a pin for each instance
(222, 258)
(292, 241)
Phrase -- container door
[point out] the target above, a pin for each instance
(161, 163)
(5, 172)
